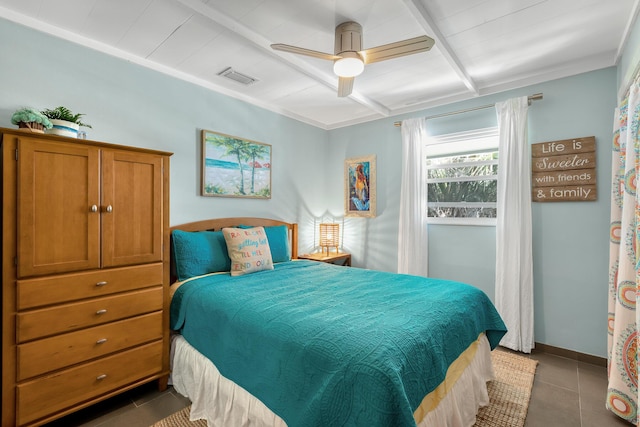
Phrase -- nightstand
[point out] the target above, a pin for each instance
(339, 258)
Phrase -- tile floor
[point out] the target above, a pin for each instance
(566, 393)
(569, 393)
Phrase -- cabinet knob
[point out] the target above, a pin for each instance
(103, 311)
(109, 209)
(101, 283)
(101, 341)
(94, 208)
(101, 377)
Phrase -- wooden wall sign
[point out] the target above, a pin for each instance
(564, 170)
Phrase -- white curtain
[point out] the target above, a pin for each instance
(624, 262)
(514, 259)
(412, 232)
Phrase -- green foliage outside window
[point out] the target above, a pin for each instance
(458, 188)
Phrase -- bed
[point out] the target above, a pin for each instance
(264, 339)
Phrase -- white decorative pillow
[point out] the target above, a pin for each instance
(248, 249)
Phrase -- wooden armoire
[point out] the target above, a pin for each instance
(85, 271)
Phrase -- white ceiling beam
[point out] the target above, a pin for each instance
(290, 59)
(421, 14)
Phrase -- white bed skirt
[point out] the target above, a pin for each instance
(222, 403)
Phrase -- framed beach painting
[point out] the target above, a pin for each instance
(235, 167)
(360, 186)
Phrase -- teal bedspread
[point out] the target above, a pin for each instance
(322, 345)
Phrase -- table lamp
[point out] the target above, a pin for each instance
(329, 236)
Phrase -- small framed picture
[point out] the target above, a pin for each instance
(235, 167)
(360, 186)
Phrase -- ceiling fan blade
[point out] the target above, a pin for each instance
(345, 86)
(303, 51)
(397, 49)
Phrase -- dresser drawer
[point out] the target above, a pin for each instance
(70, 317)
(44, 396)
(70, 287)
(49, 354)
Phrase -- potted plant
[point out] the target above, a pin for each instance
(64, 122)
(31, 119)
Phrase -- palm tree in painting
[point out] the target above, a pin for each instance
(254, 152)
(234, 147)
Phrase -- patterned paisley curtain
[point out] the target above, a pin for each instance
(624, 262)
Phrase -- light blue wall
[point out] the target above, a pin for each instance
(570, 238)
(630, 59)
(131, 105)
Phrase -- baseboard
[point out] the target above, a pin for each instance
(570, 354)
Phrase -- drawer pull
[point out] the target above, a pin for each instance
(101, 341)
(101, 377)
(103, 311)
(101, 283)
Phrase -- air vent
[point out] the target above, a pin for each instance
(232, 74)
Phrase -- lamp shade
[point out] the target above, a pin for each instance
(329, 236)
(350, 65)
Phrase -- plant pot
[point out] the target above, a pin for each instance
(63, 128)
(32, 126)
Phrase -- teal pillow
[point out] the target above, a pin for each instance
(199, 252)
(278, 237)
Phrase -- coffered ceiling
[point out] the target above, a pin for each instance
(481, 46)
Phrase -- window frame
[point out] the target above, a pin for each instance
(489, 140)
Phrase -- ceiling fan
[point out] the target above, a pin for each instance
(349, 58)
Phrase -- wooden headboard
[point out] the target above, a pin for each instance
(219, 223)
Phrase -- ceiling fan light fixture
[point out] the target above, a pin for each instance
(350, 65)
(349, 58)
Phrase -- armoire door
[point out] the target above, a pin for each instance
(131, 208)
(58, 207)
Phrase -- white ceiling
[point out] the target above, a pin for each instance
(482, 46)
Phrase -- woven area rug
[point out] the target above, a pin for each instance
(510, 392)
(509, 395)
(180, 419)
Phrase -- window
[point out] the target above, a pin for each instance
(462, 177)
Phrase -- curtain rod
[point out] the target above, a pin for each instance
(530, 98)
